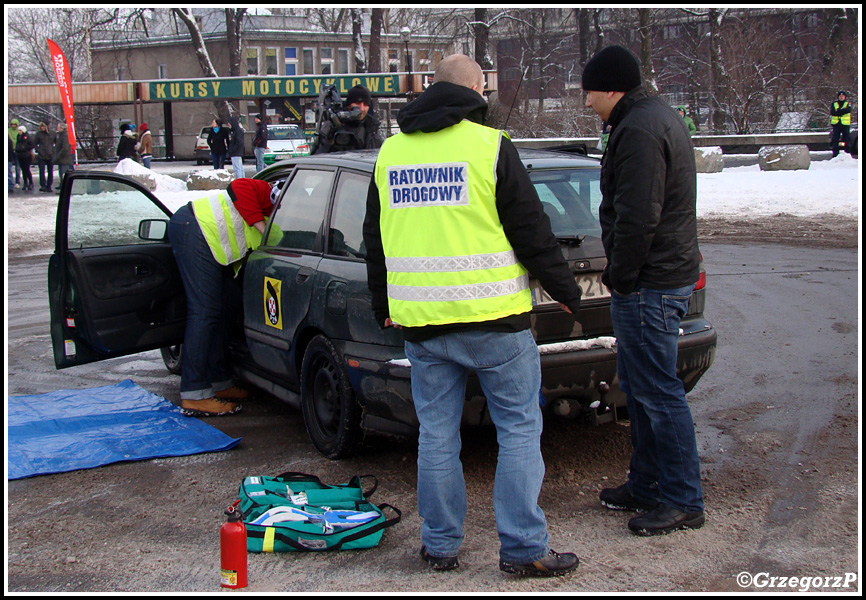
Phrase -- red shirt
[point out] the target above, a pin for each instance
(252, 198)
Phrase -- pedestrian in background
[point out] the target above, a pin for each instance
(236, 147)
(62, 154)
(145, 145)
(13, 135)
(24, 152)
(260, 142)
(10, 161)
(649, 232)
(840, 123)
(44, 157)
(126, 145)
(218, 141)
(687, 119)
(424, 265)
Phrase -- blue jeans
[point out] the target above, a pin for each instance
(664, 464)
(260, 158)
(218, 160)
(212, 301)
(238, 166)
(509, 370)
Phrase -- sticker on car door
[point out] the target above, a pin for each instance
(273, 310)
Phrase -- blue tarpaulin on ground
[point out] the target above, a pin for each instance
(69, 430)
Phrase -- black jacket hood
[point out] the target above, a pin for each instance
(442, 105)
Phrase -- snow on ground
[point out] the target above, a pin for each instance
(831, 186)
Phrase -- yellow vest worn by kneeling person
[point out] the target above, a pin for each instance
(227, 234)
(446, 254)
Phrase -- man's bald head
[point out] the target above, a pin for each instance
(461, 70)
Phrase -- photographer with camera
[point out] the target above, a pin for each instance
(352, 127)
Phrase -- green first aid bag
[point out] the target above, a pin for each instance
(296, 512)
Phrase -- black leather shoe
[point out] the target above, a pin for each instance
(665, 519)
(552, 565)
(440, 563)
(620, 498)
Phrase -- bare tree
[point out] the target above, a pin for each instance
(360, 55)
(223, 107)
(481, 33)
(648, 73)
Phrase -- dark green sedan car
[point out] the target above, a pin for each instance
(307, 334)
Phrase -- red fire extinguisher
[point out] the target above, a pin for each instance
(233, 550)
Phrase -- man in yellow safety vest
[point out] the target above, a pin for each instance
(453, 225)
(209, 238)
(840, 122)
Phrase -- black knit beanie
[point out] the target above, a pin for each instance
(612, 69)
(359, 94)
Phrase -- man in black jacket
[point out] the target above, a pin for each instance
(649, 231)
(461, 326)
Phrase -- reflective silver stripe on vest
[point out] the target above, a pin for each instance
(222, 226)
(450, 293)
(447, 264)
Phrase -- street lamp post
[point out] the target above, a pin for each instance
(405, 34)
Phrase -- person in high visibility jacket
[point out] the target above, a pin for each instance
(210, 237)
(840, 123)
(453, 225)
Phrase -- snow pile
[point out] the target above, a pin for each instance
(830, 186)
(164, 183)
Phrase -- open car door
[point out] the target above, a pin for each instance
(113, 284)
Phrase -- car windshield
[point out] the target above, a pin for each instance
(285, 133)
(570, 198)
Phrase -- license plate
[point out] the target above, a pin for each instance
(590, 285)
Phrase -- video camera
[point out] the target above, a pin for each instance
(331, 107)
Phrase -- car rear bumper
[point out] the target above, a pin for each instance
(572, 371)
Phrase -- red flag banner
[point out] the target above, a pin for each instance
(64, 82)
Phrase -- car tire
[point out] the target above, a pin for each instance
(331, 413)
(172, 357)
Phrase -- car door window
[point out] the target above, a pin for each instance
(106, 213)
(301, 210)
(346, 236)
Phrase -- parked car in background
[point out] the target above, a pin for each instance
(202, 150)
(307, 333)
(285, 141)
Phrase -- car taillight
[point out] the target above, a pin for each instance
(702, 278)
(303, 148)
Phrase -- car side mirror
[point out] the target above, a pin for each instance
(153, 230)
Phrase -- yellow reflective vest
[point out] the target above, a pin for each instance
(227, 234)
(447, 256)
(844, 119)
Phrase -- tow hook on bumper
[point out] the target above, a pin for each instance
(598, 411)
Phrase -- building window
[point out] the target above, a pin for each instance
(291, 60)
(393, 60)
(271, 61)
(327, 57)
(162, 72)
(343, 61)
(252, 61)
(309, 56)
(671, 32)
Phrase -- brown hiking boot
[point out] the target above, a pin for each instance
(208, 407)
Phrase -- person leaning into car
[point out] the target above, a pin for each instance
(452, 272)
(649, 232)
(210, 238)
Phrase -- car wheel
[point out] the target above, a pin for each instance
(172, 356)
(331, 413)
